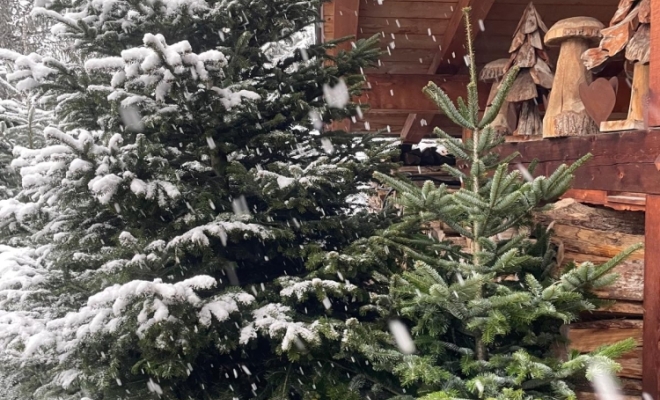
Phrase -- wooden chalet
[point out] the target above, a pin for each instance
(615, 199)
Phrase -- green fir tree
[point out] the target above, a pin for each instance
(484, 318)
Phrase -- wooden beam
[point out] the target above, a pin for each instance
(416, 127)
(653, 108)
(651, 334)
(346, 20)
(403, 93)
(452, 50)
(622, 162)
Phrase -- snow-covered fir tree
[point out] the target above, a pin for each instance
(21, 124)
(191, 234)
(484, 316)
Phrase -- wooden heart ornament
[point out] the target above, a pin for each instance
(598, 99)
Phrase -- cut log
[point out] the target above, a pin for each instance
(571, 212)
(597, 243)
(589, 336)
(629, 286)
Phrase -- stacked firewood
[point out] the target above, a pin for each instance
(590, 234)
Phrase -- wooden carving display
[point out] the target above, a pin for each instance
(535, 77)
(599, 98)
(628, 33)
(492, 73)
(566, 114)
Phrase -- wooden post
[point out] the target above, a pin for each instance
(653, 108)
(651, 334)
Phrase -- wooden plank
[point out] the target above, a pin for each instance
(613, 200)
(405, 41)
(404, 92)
(408, 9)
(622, 162)
(453, 42)
(328, 11)
(551, 13)
(651, 354)
(346, 20)
(654, 78)
(413, 56)
(402, 26)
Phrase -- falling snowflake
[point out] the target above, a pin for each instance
(336, 96)
(402, 337)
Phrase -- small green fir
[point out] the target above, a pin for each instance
(485, 317)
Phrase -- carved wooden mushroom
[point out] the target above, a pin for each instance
(629, 30)
(492, 73)
(566, 115)
(535, 77)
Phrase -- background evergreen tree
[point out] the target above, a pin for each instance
(21, 124)
(192, 236)
(485, 317)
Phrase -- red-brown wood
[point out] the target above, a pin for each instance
(416, 127)
(403, 93)
(451, 53)
(651, 335)
(346, 20)
(653, 108)
(622, 162)
(621, 201)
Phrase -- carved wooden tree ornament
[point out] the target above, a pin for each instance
(492, 73)
(535, 77)
(628, 33)
(566, 114)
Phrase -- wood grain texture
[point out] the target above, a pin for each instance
(588, 336)
(452, 50)
(651, 355)
(574, 213)
(416, 127)
(622, 162)
(653, 108)
(345, 21)
(621, 201)
(403, 93)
